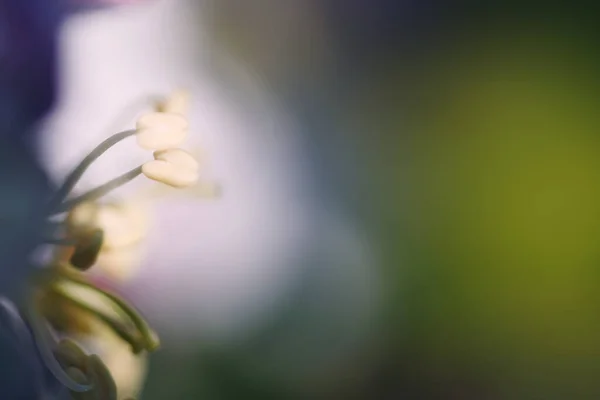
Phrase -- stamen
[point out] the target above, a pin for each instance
(100, 191)
(78, 172)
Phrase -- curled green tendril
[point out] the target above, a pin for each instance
(150, 338)
(86, 369)
(69, 354)
(90, 380)
(132, 337)
(105, 387)
(47, 346)
(77, 375)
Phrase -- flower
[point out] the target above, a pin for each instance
(173, 167)
(125, 224)
(60, 297)
(34, 365)
(76, 306)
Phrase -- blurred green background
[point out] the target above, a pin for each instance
(463, 140)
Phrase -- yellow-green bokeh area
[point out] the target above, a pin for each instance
(505, 216)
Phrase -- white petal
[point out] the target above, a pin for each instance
(178, 157)
(158, 139)
(162, 121)
(169, 174)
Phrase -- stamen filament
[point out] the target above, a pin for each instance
(100, 191)
(78, 172)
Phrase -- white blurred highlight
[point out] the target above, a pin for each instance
(209, 263)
